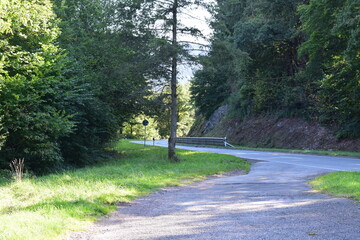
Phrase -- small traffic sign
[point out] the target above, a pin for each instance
(145, 122)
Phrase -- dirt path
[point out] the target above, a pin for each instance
(272, 202)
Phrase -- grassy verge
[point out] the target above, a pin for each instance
(47, 207)
(315, 152)
(340, 184)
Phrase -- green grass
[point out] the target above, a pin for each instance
(47, 207)
(340, 184)
(316, 152)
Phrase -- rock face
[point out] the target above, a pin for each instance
(267, 131)
(216, 118)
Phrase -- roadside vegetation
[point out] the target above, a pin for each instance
(286, 58)
(75, 74)
(49, 206)
(316, 152)
(339, 184)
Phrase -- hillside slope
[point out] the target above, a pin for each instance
(269, 131)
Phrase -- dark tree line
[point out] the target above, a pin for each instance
(71, 73)
(292, 58)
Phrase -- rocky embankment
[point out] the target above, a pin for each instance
(267, 131)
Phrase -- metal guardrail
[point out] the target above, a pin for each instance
(204, 141)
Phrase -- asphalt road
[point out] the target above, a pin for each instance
(305, 160)
(272, 202)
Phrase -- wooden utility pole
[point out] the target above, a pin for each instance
(174, 105)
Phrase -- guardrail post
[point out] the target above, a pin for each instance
(225, 143)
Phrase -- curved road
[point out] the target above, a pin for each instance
(272, 202)
(306, 160)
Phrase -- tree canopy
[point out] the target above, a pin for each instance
(34, 90)
(71, 73)
(288, 58)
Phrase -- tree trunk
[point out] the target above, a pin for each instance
(173, 124)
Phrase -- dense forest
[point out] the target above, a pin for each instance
(289, 58)
(71, 74)
(76, 73)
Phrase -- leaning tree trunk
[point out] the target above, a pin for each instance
(174, 112)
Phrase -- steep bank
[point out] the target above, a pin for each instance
(268, 131)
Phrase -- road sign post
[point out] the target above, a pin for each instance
(145, 123)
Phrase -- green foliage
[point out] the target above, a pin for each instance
(209, 87)
(61, 105)
(288, 58)
(134, 129)
(112, 52)
(34, 121)
(112, 56)
(27, 32)
(253, 61)
(333, 48)
(33, 89)
(159, 116)
(48, 207)
(95, 124)
(185, 111)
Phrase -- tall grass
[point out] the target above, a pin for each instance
(47, 207)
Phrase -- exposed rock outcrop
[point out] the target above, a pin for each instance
(216, 118)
